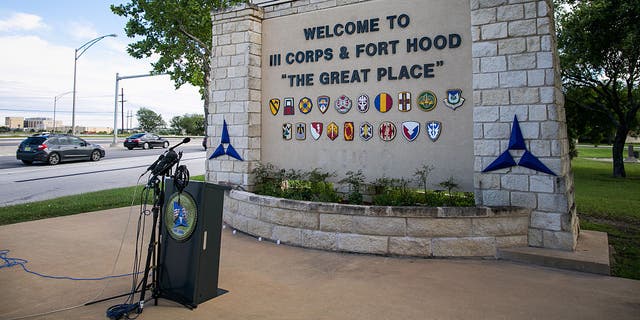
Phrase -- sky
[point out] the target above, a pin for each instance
(38, 39)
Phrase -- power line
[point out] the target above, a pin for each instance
(58, 111)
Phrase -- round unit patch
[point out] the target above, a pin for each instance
(427, 101)
(343, 104)
(180, 216)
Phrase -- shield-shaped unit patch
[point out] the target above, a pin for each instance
(332, 131)
(410, 130)
(323, 103)
(454, 98)
(434, 128)
(316, 130)
(363, 103)
(274, 106)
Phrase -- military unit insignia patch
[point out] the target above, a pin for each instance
(301, 131)
(274, 106)
(305, 105)
(454, 98)
(343, 104)
(427, 101)
(387, 131)
(286, 131)
(434, 128)
(348, 131)
(332, 131)
(366, 131)
(383, 102)
(323, 103)
(363, 103)
(316, 130)
(404, 101)
(410, 130)
(288, 107)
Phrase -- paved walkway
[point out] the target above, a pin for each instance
(269, 281)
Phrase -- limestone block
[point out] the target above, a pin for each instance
(537, 112)
(511, 241)
(287, 235)
(497, 130)
(529, 9)
(260, 228)
(379, 226)
(521, 61)
(336, 223)
(535, 237)
(533, 44)
(494, 31)
(483, 16)
(546, 220)
(500, 226)
(495, 198)
(248, 210)
(408, 246)
(524, 95)
(542, 183)
(487, 114)
(406, 212)
(485, 81)
(464, 247)
(363, 243)
(290, 218)
(493, 64)
(484, 49)
(440, 227)
(486, 148)
(552, 202)
(510, 12)
(320, 240)
(515, 182)
(498, 97)
(507, 113)
(488, 181)
(512, 46)
(521, 28)
(524, 199)
(491, 3)
(513, 79)
(558, 240)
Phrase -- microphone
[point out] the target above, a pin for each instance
(185, 140)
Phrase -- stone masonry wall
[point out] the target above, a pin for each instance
(404, 231)
(516, 72)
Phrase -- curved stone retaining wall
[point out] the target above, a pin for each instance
(404, 231)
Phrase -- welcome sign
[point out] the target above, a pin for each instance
(383, 87)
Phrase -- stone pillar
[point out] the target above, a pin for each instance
(516, 73)
(235, 92)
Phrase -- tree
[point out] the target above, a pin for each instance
(191, 124)
(149, 120)
(599, 44)
(179, 33)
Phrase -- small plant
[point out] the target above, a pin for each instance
(449, 184)
(355, 181)
(422, 175)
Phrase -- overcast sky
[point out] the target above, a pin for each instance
(37, 43)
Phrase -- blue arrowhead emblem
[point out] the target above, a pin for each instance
(230, 151)
(516, 142)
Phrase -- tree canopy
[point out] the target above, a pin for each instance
(178, 32)
(599, 44)
(149, 120)
(191, 124)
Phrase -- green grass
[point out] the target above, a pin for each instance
(64, 206)
(611, 205)
(594, 152)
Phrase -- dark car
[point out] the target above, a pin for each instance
(145, 141)
(55, 148)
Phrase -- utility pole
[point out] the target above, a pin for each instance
(129, 119)
(122, 101)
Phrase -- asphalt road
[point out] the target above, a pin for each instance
(119, 168)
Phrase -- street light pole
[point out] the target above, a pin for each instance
(82, 49)
(55, 100)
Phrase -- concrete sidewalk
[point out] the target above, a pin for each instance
(269, 281)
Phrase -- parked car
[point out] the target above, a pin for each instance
(145, 141)
(55, 148)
